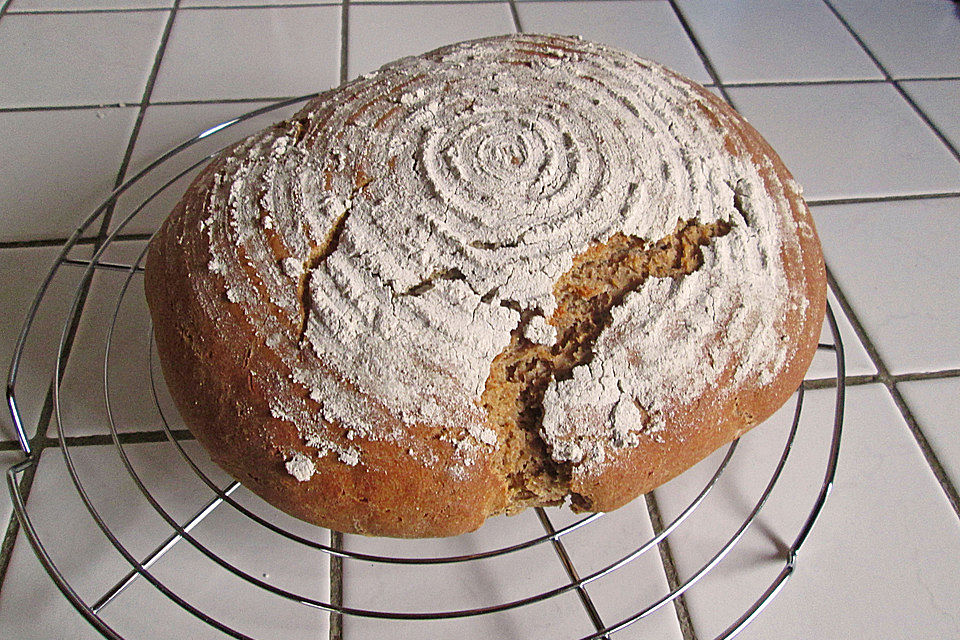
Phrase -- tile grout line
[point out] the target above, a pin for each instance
(890, 382)
(13, 527)
(895, 83)
(59, 242)
(764, 84)
(109, 10)
(426, 3)
(154, 103)
(255, 7)
(138, 123)
(10, 445)
(37, 445)
(132, 437)
(515, 14)
(74, 12)
(335, 567)
(6, 547)
(247, 7)
(681, 609)
(929, 375)
(284, 5)
(942, 195)
(670, 568)
(66, 107)
(344, 39)
(335, 630)
(831, 383)
(926, 119)
(701, 52)
(928, 453)
(561, 552)
(306, 4)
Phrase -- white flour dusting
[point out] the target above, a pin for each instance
(539, 331)
(469, 179)
(301, 467)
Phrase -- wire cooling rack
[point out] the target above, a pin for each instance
(224, 494)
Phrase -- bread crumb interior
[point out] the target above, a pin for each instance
(597, 282)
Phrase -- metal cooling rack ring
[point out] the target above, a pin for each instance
(223, 495)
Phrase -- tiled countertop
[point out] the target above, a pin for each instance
(860, 97)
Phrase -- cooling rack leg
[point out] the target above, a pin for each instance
(571, 571)
(734, 630)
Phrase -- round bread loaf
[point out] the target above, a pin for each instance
(506, 273)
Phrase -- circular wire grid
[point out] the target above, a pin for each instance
(191, 549)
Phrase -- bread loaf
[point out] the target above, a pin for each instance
(506, 273)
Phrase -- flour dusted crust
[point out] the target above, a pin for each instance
(330, 295)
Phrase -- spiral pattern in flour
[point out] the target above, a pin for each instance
(424, 206)
(505, 150)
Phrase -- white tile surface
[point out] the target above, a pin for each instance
(249, 53)
(80, 551)
(248, 3)
(425, 588)
(939, 100)
(79, 164)
(857, 361)
(149, 211)
(83, 404)
(850, 140)
(912, 38)
(936, 406)
(74, 5)
(649, 29)
(882, 558)
(39, 357)
(27, 588)
(786, 40)
(82, 58)
(166, 126)
(83, 408)
(237, 603)
(899, 272)
(381, 34)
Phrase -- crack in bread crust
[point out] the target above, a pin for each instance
(597, 282)
(316, 258)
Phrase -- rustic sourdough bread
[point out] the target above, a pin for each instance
(505, 273)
